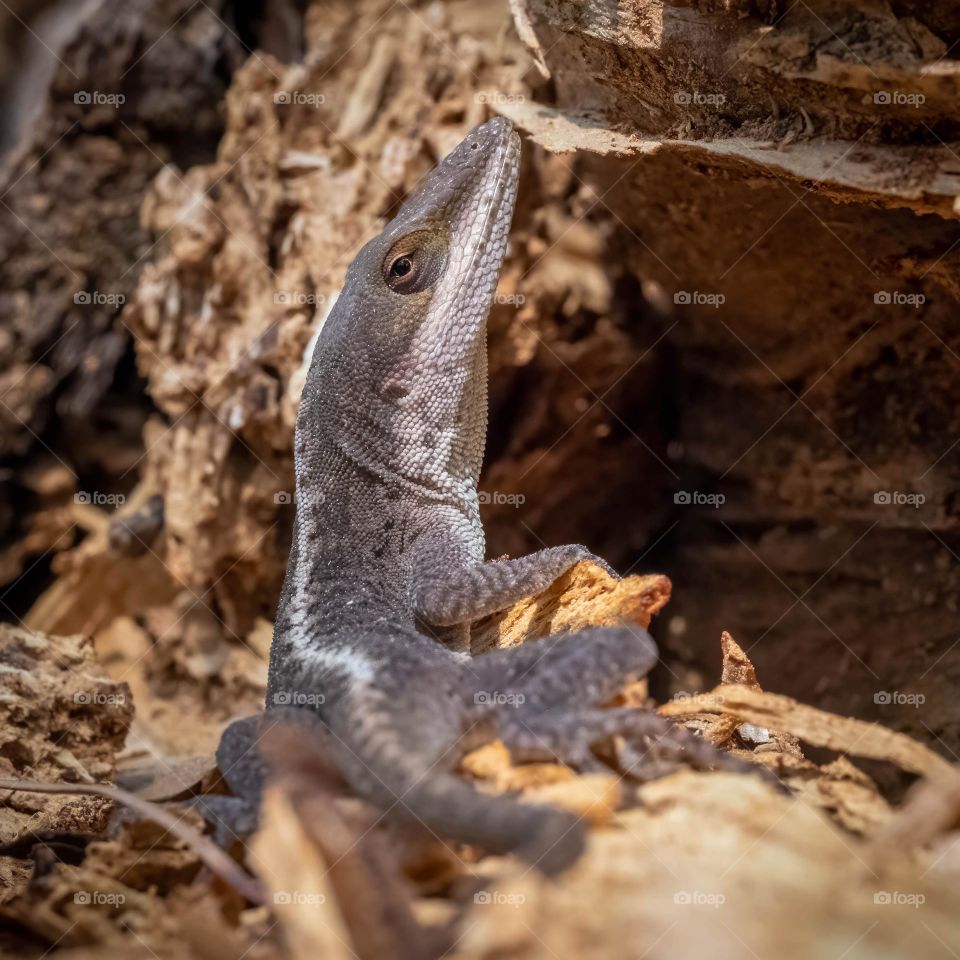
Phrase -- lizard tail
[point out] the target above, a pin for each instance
(547, 838)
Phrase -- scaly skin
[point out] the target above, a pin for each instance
(388, 546)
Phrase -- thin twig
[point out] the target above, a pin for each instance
(215, 859)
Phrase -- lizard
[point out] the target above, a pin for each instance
(386, 569)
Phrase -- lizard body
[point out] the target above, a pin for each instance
(388, 548)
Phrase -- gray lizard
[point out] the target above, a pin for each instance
(387, 569)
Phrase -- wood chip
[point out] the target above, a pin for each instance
(585, 596)
(817, 727)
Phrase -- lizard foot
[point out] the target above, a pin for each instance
(233, 819)
(245, 772)
(652, 747)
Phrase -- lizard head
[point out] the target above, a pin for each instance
(400, 364)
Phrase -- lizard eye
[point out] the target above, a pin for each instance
(414, 263)
(401, 267)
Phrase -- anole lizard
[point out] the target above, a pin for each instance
(388, 544)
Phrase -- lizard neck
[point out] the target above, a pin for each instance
(427, 443)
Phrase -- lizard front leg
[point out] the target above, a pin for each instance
(447, 593)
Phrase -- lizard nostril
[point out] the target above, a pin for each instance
(474, 145)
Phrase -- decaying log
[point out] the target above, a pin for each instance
(784, 188)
